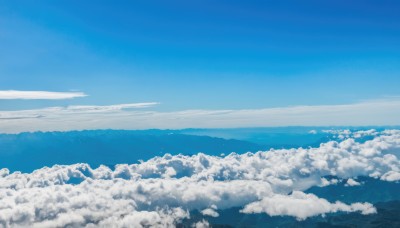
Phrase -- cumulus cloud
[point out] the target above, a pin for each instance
(162, 191)
(210, 211)
(201, 224)
(302, 206)
(313, 132)
(38, 95)
(352, 182)
(325, 182)
(346, 133)
(381, 112)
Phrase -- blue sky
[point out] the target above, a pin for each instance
(200, 54)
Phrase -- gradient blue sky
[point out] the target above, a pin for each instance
(201, 54)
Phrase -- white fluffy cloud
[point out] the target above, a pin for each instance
(352, 182)
(38, 95)
(303, 205)
(210, 211)
(163, 190)
(377, 112)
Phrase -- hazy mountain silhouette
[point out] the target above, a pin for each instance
(29, 151)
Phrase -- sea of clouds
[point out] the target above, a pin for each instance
(162, 191)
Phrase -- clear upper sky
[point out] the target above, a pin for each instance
(201, 54)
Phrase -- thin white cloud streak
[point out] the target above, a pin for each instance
(38, 95)
(163, 190)
(71, 111)
(108, 108)
(376, 112)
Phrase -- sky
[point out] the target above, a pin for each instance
(177, 56)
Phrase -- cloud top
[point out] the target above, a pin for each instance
(162, 191)
(38, 95)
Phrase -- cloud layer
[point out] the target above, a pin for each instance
(38, 95)
(163, 190)
(54, 115)
(378, 112)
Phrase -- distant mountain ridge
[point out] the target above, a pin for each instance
(28, 151)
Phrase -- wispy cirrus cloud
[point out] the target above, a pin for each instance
(104, 108)
(72, 111)
(38, 95)
(126, 116)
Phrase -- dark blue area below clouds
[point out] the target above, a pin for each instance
(384, 195)
(387, 216)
